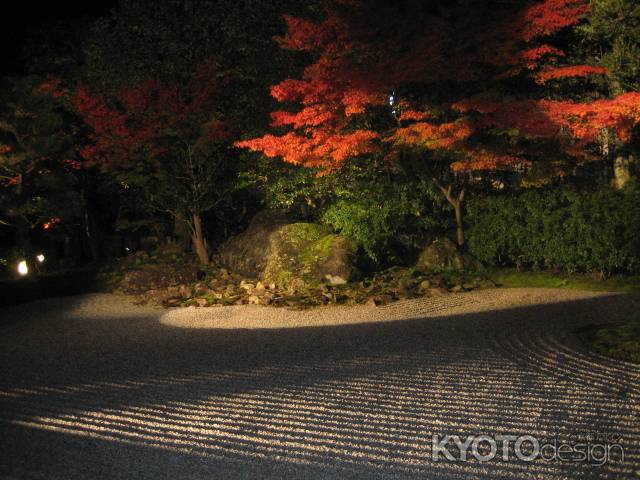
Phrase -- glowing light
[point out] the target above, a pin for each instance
(23, 269)
(40, 257)
(51, 223)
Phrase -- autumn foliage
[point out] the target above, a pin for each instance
(438, 78)
(170, 129)
(144, 121)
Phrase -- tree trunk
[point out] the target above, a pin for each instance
(457, 207)
(621, 172)
(199, 242)
(457, 204)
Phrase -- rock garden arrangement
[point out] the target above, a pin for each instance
(297, 265)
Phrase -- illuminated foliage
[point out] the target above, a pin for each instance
(468, 85)
(149, 119)
(166, 139)
(453, 68)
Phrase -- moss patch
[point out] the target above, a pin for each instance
(301, 254)
(317, 251)
(621, 341)
(514, 279)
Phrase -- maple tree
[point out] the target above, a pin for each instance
(469, 87)
(166, 138)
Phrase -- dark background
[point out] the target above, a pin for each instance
(28, 15)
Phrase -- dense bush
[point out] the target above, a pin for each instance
(561, 228)
(376, 217)
(384, 209)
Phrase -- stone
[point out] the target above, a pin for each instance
(486, 283)
(290, 256)
(404, 285)
(254, 300)
(266, 299)
(247, 252)
(202, 302)
(305, 254)
(437, 291)
(335, 280)
(424, 285)
(202, 291)
(442, 255)
(382, 299)
(371, 302)
(185, 291)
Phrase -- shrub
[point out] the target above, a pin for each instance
(373, 215)
(382, 208)
(560, 228)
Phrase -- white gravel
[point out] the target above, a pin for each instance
(95, 387)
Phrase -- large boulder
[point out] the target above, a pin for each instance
(303, 254)
(247, 252)
(289, 255)
(443, 255)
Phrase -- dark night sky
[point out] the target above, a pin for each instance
(28, 14)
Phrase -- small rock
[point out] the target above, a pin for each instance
(184, 291)
(254, 300)
(202, 291)
(260, 286)
(382, 299)
(437, 292)
(486, 283)
(404, 285)
(335, 279)
(371, 302)
(202, 302)
(425, 285)
(456, 289)
(266, 299)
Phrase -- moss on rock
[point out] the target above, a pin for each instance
(306, 254)
(442, 255)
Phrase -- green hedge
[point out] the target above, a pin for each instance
(558, 228)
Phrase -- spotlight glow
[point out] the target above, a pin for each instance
(40, 257)
(23, 269)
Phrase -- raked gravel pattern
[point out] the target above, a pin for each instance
(95, 387)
